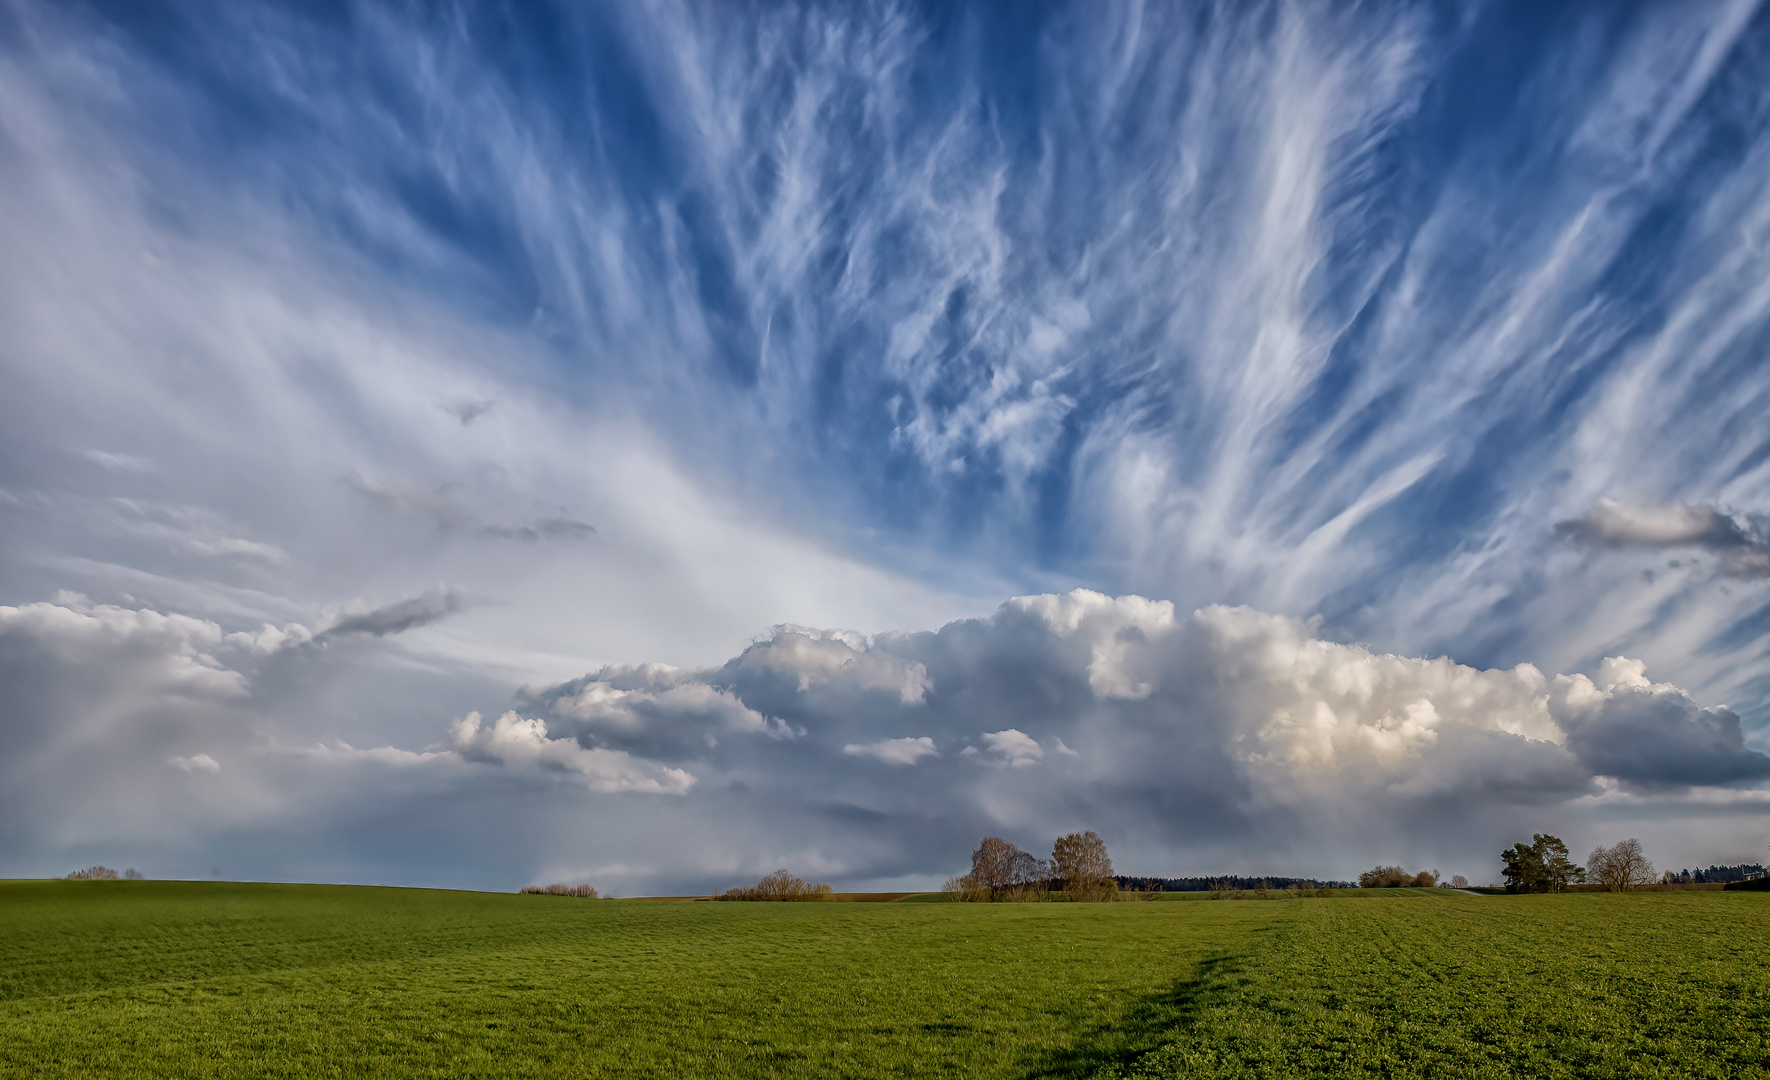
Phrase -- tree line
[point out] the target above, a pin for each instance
(105, 873)
(1714, 875)
(1223, 883)
(1080, 868)
(562, 889)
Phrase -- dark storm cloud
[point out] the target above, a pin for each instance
(1654, 735)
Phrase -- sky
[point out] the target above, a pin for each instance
(650, 444)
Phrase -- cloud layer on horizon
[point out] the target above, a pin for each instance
(1227, 739)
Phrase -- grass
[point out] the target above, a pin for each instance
(209, 979)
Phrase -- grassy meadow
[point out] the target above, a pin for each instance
(211, 979)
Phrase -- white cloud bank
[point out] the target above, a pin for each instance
(1225, 739)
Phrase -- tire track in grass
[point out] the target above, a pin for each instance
(1577, 985)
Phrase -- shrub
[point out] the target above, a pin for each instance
(95, 873)
(560, 889)
(1394, 877)
(780, 885)
(1385, 877)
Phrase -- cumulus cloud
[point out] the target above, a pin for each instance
(1614, 524)
(1117, 701)
(818, 657)
(1623, 725)
(194, 763)
(164, 653)
(654, 709)
(1016, 748)
(905, 751)
(516, 741)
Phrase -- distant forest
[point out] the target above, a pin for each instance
(1719, 873)
(1209, 884)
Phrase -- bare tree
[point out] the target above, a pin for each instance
(1082, 867)
(1459, 882)
(994, 865)
(96, 873)
(965, 889)
(1620, 867)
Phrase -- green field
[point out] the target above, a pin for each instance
(204, 979)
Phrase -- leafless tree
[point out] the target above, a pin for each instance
(1082, 867)
(96, 873)
(998, 866)
(1620, 867)
(1459, 882)
(992, 864)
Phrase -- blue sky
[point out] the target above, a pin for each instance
(371, 367)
